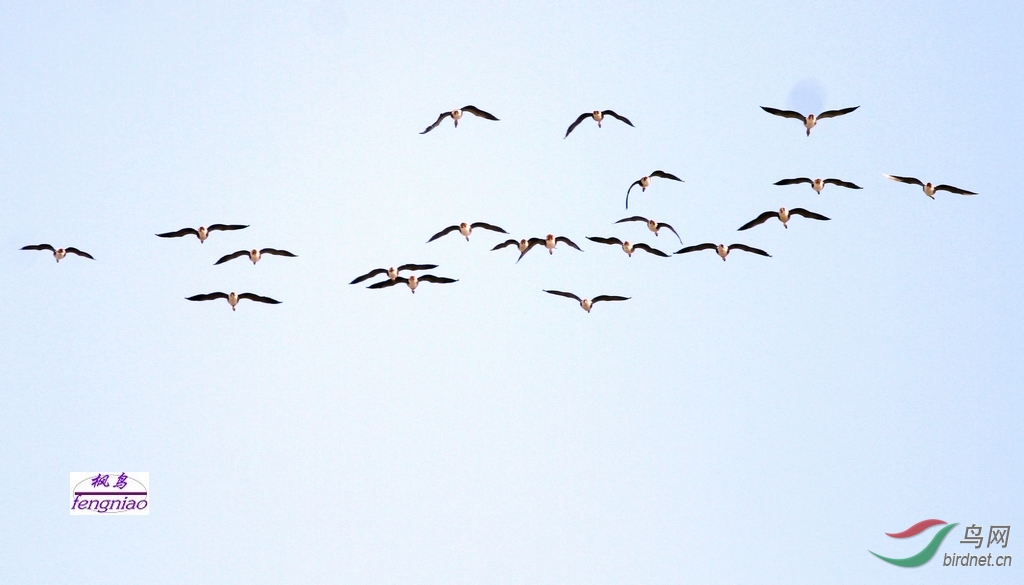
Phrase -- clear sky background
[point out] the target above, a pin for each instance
(762, 420)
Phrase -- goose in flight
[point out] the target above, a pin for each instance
(722, 249)
(456, 115)
(203, 232)
(59, 253)
(627, 247)
(784, 215)
(810, 120)
(930, 189)
(465, 229)
(597, 115)
(254, 255)
(587, 304)
(551, 241)
(652, 225)
(523, 246)
(645, 182)
(818, 184)
(392, 272)
(413, 281)
(233, 298)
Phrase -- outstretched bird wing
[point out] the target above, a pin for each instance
(274, 252)
(415, 267)
(664, 175)
(443, 232)
(649, 250)
(478, 112)
(567, 295)
(219, 227)
(389, 282)
(671, 229)
(949, 188)
(808, 214)
(437, 123)
(179, 233)
(908, 180)
(759, 220)
(785, 113)
(567, 241)
(437, 279)
(795, 181)
(487, 226)
(617, 117)
(577, 123)
(698, 247)
(600, 298)
(747, 248)
(369, 274)
(40, 247)
(259, 299)
(208, 297)
(846, 184)
(505, 244)
(232, 256)
(79, 252)
(835, 113)
(615, 241)
(634, 218)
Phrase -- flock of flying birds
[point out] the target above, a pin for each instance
(549, 242)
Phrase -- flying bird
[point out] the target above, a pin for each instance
(254, 255)
(722, 249)
(930, 189)
(627, 247)
(233, 298)
(392, 272)
(784, 216)
(818, 184)
(523, 246)
(809, 120)
(652, 225)
(203, 232)
(645, 182)
(456, 115)
(587, 304)
(551, 241)
(465, 229)
(59, 253)
(597, 116)
(413, 281)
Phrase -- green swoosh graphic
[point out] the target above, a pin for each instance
(926, 553)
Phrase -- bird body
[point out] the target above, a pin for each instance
(722, 250)
(928, 188)
(810, 120)
(587, 304)
(59, 253)
(233, 298)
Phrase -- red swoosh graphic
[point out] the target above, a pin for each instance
(916, 528)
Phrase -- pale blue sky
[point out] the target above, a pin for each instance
(762, 420)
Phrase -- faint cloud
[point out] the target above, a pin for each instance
(807, 97)
(326, 17)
